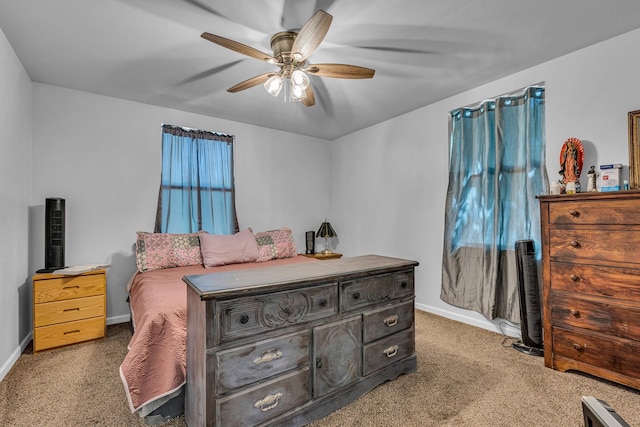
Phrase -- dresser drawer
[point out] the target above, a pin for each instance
(596, 315)
(241, 317)
(388, 350)
(616, 355)
(68, 287)
(594, 244)
(265, 401)
(605, 212)
(617, 282)
(386, 321)
(50, 313)
(68, 333)
(376, 289)
(261, 360)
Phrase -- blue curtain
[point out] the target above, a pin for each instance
(197, 190)
(496, 170)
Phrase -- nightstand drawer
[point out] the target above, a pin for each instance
(387, 321)
(374, 290)
(68, 287)
(261, 360)
(388, 350)
(50, 313)
(68, 333)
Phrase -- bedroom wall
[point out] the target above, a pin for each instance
(15, 181)
(103, 156)
(390, 180)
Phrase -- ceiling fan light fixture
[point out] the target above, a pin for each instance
(273, 85)
(298, 93)
(300, 79)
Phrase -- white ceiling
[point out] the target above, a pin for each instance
(423, 51)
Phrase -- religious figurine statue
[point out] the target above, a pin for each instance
(571, 159)
(591, 184)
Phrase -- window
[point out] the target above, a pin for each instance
(197, 190)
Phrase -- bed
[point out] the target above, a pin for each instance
(154, 370)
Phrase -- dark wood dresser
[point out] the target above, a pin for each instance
(591, 284)
(288, 345)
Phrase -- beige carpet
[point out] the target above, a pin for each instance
(466, 377)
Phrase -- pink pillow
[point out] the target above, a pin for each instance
(155, 251)
(219, 249)
(274, 244)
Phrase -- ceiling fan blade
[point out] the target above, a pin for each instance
(311, 35)
(249, 83)
(340, 71)
(310, 99)
(239, 47)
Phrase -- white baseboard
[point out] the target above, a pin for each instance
(13, 358)
(118, 319)
(500, 326)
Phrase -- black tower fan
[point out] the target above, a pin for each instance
(54, 225)
(530, 317)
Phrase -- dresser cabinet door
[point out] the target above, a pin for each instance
(337, 355)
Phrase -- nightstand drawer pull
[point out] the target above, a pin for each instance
(71, 287)
(574, 277)
(391, 351)
(269, 402)
(391, 320)
(574, 312)
(574, 213)
(578, 347)
(71, 309)
(267, 356)
(76, 331)
(574, 244)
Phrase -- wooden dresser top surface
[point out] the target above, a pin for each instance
(270, 279)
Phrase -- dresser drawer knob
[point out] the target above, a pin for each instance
(574, 312)
(268, 356)
(391, 351)
(574, 213)
(244, 319)
(318, 363)
(268, 402)
(574, 244)
(404, 285)
(391, 320)
(356, 295)
(323, 302)
(574, 277)
(577, 347)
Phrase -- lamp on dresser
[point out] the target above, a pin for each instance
(326, 231)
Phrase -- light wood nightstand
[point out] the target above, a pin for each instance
(320, 255)
(68, 309)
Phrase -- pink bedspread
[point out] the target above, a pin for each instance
(155, 365)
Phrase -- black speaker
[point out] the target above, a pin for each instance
(54, 225)
(311, 242)
(530, 307)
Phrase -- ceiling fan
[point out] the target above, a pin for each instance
(291, 49)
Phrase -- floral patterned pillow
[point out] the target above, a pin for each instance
(274, 244)
(155, 251)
